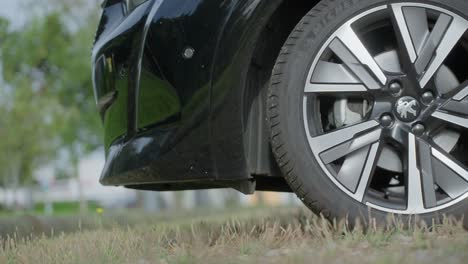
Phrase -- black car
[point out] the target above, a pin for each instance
(354, 105)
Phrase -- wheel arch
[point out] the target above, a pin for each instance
(246, 132)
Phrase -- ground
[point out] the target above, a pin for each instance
(256, 235)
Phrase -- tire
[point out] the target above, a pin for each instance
(300, 165)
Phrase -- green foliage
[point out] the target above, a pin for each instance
(65, 208)
(46, 96)
(59, 209)
(25, 133)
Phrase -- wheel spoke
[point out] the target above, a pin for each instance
(461, 92)
(427, 49)
(451, 118)
(342, 136)
(350, 49)
(455, 110)
(357, 170)
(447, 32)
(449, 175)
(413, 28)
(350, 146)
(333, 78)
(367, 172)
(350, 171)
(329, 72)
(334, 88)
(430, 46)
(456, 107)
(427, 174)
(427, 167)
(414, 183)
(360, 145)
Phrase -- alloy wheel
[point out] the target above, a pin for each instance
(388, 97)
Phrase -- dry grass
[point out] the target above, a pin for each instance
(266, 236)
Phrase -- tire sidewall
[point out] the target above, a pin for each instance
(314, 30)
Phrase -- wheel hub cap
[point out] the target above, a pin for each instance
(407, 109)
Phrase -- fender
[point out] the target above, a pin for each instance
(168, 116)
(230, 139)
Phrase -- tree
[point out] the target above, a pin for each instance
(48, 105)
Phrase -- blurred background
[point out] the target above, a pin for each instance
(50, 132)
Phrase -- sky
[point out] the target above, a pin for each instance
(11, 10)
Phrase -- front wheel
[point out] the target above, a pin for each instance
(368, 108)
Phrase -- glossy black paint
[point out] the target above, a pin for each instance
(173, 122)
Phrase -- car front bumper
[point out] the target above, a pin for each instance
(154, 132)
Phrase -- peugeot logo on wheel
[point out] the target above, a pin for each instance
(407, 109)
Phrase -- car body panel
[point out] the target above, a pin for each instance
(168, 118)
